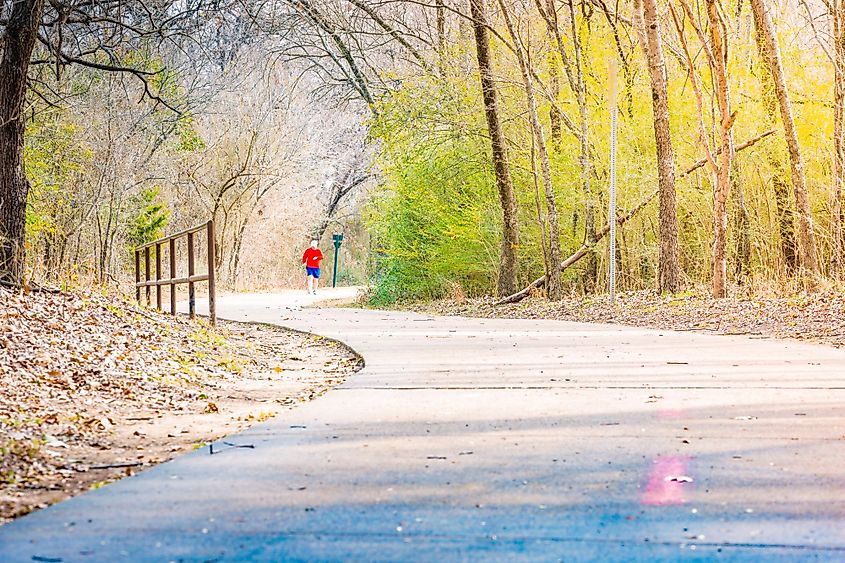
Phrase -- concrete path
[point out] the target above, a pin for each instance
(276, 301)
(498, 440)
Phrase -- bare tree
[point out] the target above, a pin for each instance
(573, 66)
(716, 51)
(837, 11)
(591, 273)
(18, 42)
(553, 252)
(549, 15)
(506, 283)
(100, 35)
(780, 184)
(669, 271)
(353, 45)
(345, 59)
(835, 38)
(620, 220)
(770, 50)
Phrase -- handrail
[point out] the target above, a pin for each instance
(192, 279)
(173, 281)
(182, 233)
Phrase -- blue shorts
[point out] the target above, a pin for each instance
(313, 272)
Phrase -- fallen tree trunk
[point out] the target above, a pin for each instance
(581, 252)
(738, 148)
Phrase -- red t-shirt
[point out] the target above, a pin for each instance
(312, 257)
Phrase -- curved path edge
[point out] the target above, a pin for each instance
(502, 440)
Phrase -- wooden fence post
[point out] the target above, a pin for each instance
(137, 276)
(172, 258)
(212, 304)
(158, 276)
(147, 272)
(192, 303)
(168, 244)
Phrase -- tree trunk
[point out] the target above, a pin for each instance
(720, 234)
(441, 36)
(838, 246)
(719, 40)
(783, 206)
(669, 272)
(591, 269)
(575, 78)
(541, 218)
(717, 58)
(554, 113)
(555, 119)
(741, 224)
(19, 40)
(506, 283)
(546, 9)
(719, 46)
(237, 246)
(573, 258)
(553, 286)
(771, 55)
(46, 240)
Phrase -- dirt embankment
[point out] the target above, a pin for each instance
(94, 388)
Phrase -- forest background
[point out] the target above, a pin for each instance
(463, 147)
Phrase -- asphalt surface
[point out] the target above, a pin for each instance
(467, 439)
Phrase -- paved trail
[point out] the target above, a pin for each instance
(498, 440)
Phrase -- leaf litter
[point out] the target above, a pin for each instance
(816, 317)
(94, 388)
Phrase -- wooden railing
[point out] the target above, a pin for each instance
(172, 281)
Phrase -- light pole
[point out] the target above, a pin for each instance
(337, 238)
(612, 204)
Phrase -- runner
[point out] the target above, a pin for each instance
(312, 258)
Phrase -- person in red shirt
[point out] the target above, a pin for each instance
(312, 258)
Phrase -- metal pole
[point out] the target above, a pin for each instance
(614, 68)
(334, 271)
